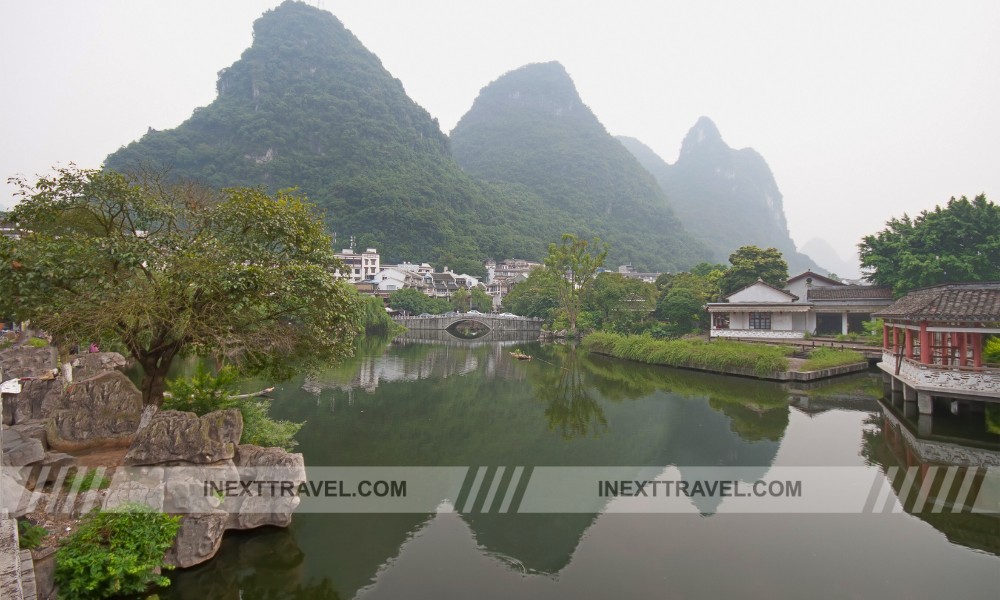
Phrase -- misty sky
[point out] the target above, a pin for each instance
(863, 110)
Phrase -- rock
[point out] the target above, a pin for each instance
(173, 436)
(26, 361)
(271, 506)
(49, 468)
(14, 498)
(45, 572)
(100, 411)
(20, 451)
(32, 429)
(86, 366)
(197, 540)
(39, 398)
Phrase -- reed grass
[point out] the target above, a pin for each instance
(722, 356)
(826, 358)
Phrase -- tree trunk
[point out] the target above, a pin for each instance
(154, 374)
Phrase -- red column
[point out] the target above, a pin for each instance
(895, 340)
(925, 344)
(909, 343)
(977, 349)
(963, 355)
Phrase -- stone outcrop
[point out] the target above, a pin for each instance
(86, 366)
(197, 540)
(101, 411)
(38, 399)
(268, 508)
(25, 361)
(174, 437)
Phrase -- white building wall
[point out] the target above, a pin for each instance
(759, 292)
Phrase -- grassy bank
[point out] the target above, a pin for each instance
(721, 356)
(826, 358)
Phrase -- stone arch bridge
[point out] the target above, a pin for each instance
(495, 323)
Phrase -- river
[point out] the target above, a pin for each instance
(436, 404)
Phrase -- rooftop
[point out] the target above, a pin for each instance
(850, 292)
(948, 302)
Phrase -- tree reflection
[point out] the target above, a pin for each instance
(570, 406)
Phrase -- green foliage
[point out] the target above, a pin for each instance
(30, 535)
(993, 418)
(537, 296)
(762, 360)
(460, 299)
(957, 243)
(991, 351)
(619, 303)
(204, 392)
(373, 316)
(574, 265)
(416, 302)
(37, 342)
(481, 301)
(826, 358)
(115, 553)
(750, 263)
(163, 268)
(87, 479)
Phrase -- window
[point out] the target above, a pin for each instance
(760, 320)
(720, 320)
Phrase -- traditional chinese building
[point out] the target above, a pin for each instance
(932, 345)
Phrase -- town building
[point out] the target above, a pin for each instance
(809, 303)
(360, 266)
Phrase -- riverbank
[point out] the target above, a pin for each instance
(773, 363)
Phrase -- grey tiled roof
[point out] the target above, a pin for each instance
(949, 302)
(850, 292)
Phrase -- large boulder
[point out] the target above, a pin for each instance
(38, 399)
(269, 505)
(26, 361)
(86, 366)
(175, 437)
(197, 540)
(19, 450)
(98, 412)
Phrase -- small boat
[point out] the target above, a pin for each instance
(520, 355)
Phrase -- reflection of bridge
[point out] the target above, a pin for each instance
(495, 323)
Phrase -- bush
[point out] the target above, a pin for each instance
(37, 342)
(88, 480)
(991, 351)
(115, 553)
(203, 393)
(30, 535)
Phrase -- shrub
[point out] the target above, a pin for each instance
(88, 480)
(203, 393)
(991, 351)
(37, 342)
(115, 553)
(30, 535)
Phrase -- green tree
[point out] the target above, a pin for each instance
(481, 301)
(959, 242)
(162, 268)
(537, 296)
(460, 299)
(750, 263)
(416, 302)
(577, 263)
(682, 308)
(619, 301)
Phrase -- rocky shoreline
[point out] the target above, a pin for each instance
(86, 414)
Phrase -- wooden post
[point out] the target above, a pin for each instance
(977, 349)
(908, 334)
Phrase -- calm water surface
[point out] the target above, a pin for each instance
(438, 404)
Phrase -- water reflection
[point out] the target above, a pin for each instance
(471, 404)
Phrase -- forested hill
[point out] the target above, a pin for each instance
(726, 197)
(307, 105)
(530, 131)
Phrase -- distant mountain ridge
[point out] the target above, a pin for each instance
(307, 105)
(726, 197)
(529, 130)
